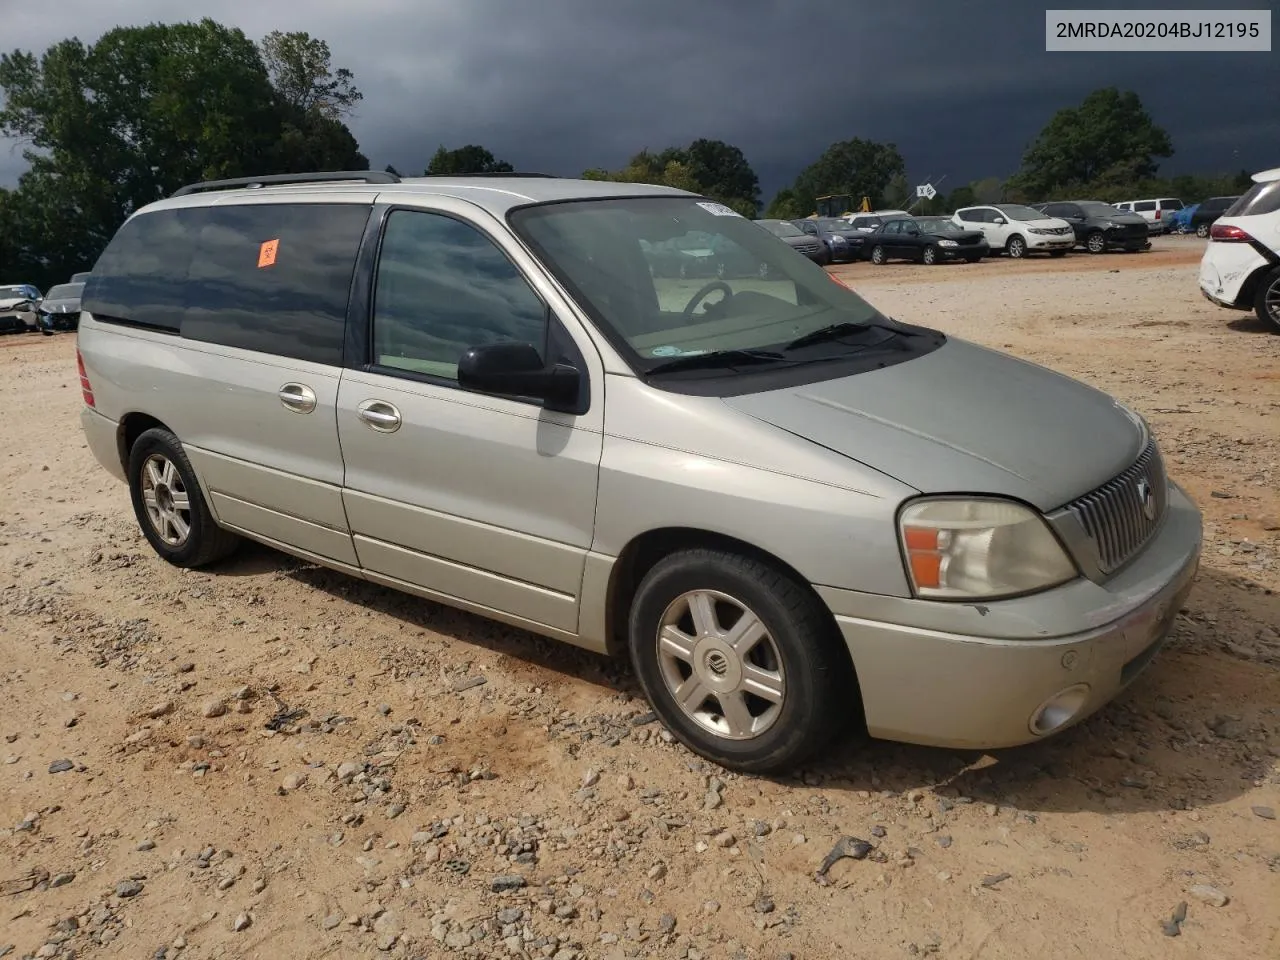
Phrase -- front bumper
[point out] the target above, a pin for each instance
(58, 321)
(925, 679)
(1037, 241)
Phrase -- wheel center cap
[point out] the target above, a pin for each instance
(717, 665)
(164, 497)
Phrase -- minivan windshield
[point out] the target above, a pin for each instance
(749, 293)
(1016, 211)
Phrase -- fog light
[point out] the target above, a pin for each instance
(1059, 710)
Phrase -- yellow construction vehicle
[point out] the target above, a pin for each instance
(839, 205)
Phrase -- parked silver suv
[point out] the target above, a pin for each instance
(782, 504)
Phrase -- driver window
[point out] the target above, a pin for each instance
(443, 287)
(893, 226)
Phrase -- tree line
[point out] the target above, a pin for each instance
(111, 126)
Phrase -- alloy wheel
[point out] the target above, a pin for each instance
(165, 498)
(720, 664)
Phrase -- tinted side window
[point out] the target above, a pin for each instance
(140, 277)
(443, 287)
(970, 216)
(1142, 205)
(892, 227)
(1259, 199)
(274, 277)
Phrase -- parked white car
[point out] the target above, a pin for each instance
(18, 303)
(1240, 268)
(1156, 212)
(1018, 229)
(867, 222)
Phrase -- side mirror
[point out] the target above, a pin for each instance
(517, 370)
(999, 221)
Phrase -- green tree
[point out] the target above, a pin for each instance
(961, 197)
(1108, 139)
(302, 73)
(785, 206)
(860, 168)
(112, 126)
(464, 161)
(711, 168)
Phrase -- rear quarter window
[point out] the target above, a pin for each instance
(1142, 205)
(139, 277)
(274, 278)
(1260, 199)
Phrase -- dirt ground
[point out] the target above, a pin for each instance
(270, 760)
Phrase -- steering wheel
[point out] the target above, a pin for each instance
(702, 294)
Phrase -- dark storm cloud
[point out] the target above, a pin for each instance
(560, 85)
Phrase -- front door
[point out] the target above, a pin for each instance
(489, 500)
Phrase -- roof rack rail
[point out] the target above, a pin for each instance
(359, 176)
(509, 173)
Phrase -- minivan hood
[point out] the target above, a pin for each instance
(964, 419)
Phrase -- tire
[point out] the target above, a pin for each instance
(158, 465)
(1202, 230)
(1016, 247)
(877, 255)
(1095, 242)
(1266, 302)
(796, 656)
(929, 256)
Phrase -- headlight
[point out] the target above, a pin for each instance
(1043, 231)
(947, 243)
(979, 549)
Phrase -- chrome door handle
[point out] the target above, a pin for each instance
(379, 415)
(297, 397)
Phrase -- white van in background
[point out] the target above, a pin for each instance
(1156, 212)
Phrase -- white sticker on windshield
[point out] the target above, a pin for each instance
(718, 209)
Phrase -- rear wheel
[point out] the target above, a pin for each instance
(1095, 242)
(1266, 302)
(1016, 247)
(739, 660)
(169, 506)
(878, 255)
(1202, 230)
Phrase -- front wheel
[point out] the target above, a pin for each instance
(930, 256)
(877, 255)
(739, 660)
(1016, 247)
(1096, 243)
(1266, 302)
(169, 506)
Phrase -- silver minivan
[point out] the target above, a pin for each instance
(797, 516)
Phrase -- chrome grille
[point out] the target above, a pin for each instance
(1116, 516)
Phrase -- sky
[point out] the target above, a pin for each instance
(557, 86)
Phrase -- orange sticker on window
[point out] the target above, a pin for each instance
(267, 253)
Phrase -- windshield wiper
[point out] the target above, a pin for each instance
(723, 359)
(832, 332)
